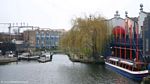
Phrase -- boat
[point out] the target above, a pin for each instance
(126, 56)
(27, 56)
(127, 68)
(45, 57)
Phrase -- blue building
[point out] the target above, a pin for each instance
(40, 39)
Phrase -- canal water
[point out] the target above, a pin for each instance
(59, 71)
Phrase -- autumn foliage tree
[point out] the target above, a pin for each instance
(87, 37)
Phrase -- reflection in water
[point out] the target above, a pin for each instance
(60, 71)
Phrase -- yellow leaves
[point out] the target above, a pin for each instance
(86, 34)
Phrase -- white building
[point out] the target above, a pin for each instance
(116, 21)
(142, 16)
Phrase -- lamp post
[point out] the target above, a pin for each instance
(9, 32)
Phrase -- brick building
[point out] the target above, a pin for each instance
(5, 37)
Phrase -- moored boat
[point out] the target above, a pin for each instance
(130, 69)
(27, 56)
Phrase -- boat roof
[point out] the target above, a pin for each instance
(113, 59)
(126, 62)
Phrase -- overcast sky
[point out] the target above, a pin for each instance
(59, 13)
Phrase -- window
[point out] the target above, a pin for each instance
(37, 32)
(42, 34)
(43, 42)
(38, 42)
(147, 45)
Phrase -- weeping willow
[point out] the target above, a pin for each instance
(87, 37)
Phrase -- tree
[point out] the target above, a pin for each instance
(87, 37)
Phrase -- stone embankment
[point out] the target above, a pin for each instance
(85, 59)
(4, 59)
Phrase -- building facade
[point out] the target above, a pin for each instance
(146, 36)
(6, 37)
(135, 24)
(40, 39)
(115, 21)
